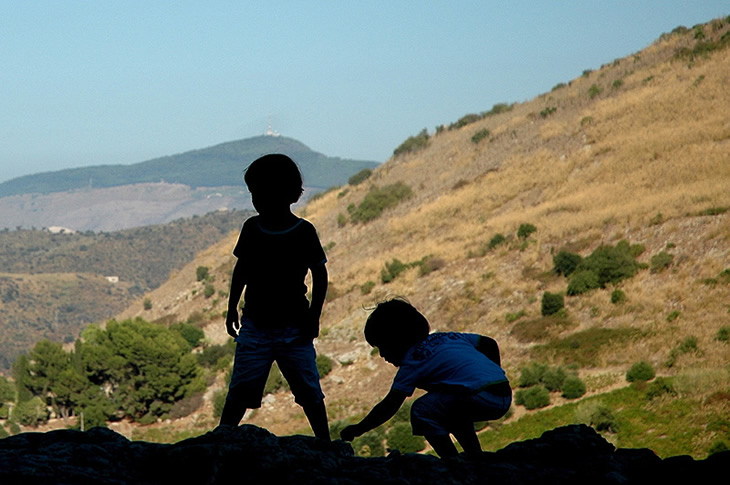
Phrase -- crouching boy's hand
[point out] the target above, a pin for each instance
(350, 433)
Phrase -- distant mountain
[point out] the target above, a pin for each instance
(219, 165)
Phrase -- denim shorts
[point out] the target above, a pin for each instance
(256, 351)
(440, 413)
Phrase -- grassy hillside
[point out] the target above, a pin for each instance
(219, 165)
(635, 151)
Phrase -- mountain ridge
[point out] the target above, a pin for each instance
(214, 166)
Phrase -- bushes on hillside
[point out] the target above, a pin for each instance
(413, 143)
(640, 372)
(377, 200)
(538, 380)
(552, 303)
(605, 265)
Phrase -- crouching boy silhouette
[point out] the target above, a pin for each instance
(275, 251)
(461, 373)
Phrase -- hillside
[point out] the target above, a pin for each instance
(116, 197)
(53, 285)
(216, 166)
(637, 151)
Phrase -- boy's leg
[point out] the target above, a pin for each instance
(442, 445)
(233, 410)
(317, 416)
(297, 362)
(469, 441)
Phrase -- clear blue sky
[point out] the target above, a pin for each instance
(101, 82)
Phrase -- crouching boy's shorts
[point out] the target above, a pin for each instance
(257, 349)
(439, 413)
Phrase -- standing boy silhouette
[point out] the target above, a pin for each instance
(275, 250)
(460, 371)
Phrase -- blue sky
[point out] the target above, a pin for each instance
(102, 82)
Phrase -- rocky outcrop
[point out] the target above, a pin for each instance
(252, 455)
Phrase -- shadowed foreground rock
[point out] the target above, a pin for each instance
(250, 455)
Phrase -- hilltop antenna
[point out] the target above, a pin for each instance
(270, 131)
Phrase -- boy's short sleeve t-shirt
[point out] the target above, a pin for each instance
(447, 362)
(275, 265)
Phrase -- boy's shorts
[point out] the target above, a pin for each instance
(257, 349)
(439, 413)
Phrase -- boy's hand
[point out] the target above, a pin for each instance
(350, 433)
(232, 323)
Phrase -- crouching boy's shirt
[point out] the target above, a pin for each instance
(447, 362)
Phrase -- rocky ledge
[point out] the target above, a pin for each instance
(252, 455)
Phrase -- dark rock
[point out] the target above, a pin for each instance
(252, 455)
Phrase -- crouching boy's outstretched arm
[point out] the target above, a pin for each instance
(380, 413)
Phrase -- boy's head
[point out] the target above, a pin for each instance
(275, 175)
(394, 327)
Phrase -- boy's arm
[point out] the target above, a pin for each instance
(381, 413)
(319, 292)
(488, 346)
(238, 281)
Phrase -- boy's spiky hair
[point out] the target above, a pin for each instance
(397, 322)
(275, 173)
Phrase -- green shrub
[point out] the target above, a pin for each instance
(552, 303)
(209, 290)
(190, 333)
(213, 354)
(618, 296)
(392, 270)
(603, 419)
(201, 273)
(609, 264)
(147, 304)
(661, 261)
(687, 345)
(594, 91)
(413, 143)
(573, 387)
(367, 287)
(400, 437)
(533, 397)
(324, 365)
(723, 334)
(341, 219)
(275, 381)
(30, 413)
(525, 230)
(554, 378)
(565, 262)
(219, 400)
(360, 176)
(7, 390)
(659, 387)
(480, 135)
(4, 412)
(369, 444)
(377, 200)
(465, 120)
(496, 240)
(531, 375)
(581, 282)
(548, 111)
(673, 315)
(640, 372)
